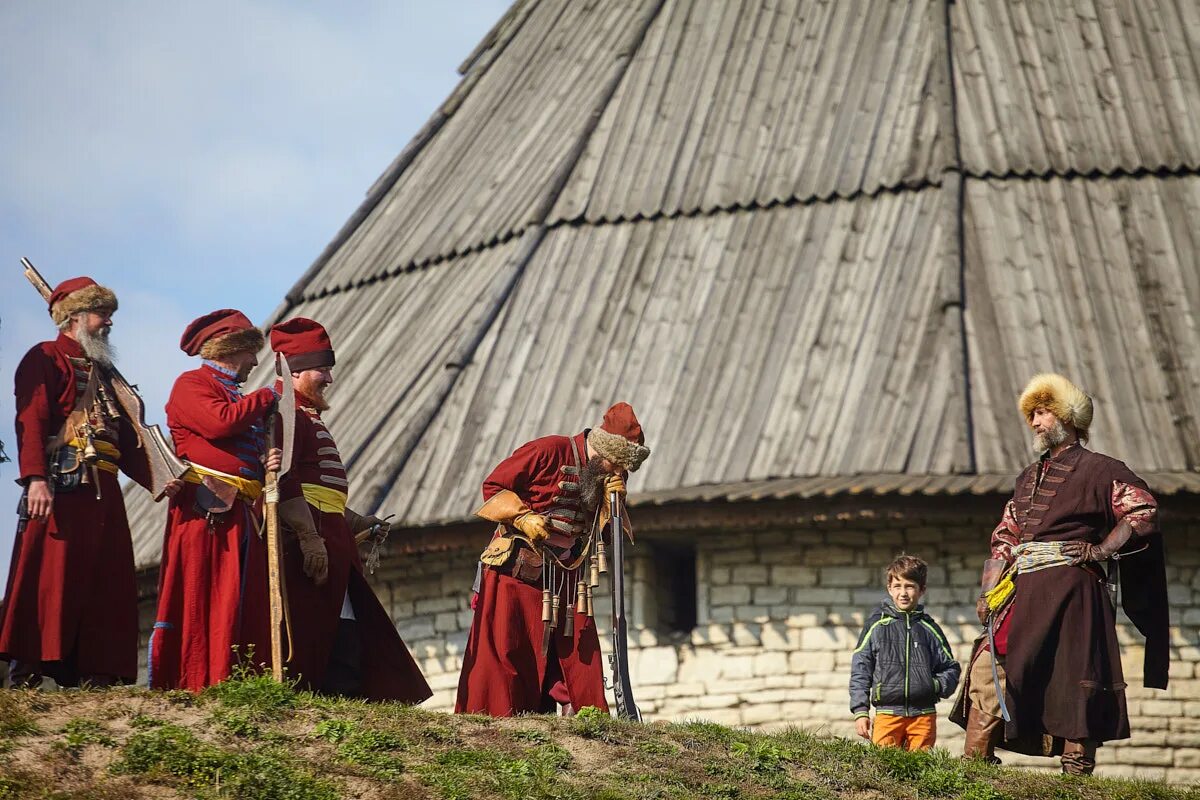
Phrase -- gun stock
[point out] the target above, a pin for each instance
(164, 465)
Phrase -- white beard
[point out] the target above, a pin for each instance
(1045, 442)
(96, 346)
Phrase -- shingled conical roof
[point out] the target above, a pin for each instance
(819, 246)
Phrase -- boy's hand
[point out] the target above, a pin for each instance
(862, 726)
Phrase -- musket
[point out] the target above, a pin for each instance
(276, 587)
(164, 465)
(618, 659)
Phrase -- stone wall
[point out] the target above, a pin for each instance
(777, 613)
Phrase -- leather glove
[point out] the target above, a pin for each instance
(535, 526)
(614, 484)
(359, 523)
(507, 508)
(993, 569)
(295, 514)
(1082, 552)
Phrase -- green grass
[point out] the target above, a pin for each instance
(174, 756)
(253, 738)
(16, 717)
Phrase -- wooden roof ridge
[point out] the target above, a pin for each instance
(472, 69)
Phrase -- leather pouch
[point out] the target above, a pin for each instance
(67, 470)
(499, 551)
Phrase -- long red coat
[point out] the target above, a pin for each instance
(388, 669)
(71, 593)
(212, 590)
(504, 671)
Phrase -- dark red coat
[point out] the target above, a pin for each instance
(212, 593)
(388, 669)
(1064, 675)
(71, 592)
(504, 670)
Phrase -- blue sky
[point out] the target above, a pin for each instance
(197, 155)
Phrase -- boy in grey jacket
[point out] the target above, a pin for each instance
(902, 664)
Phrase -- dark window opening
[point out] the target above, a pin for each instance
(674, 586)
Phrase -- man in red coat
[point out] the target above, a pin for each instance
(212, 589)
(545, 498)
(343, 640)
(71, 608)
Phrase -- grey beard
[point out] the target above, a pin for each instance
(97, 347)
(1045, 442)
(591, 482)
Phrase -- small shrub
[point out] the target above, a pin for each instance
(532, 736)
(142, 721)
(592, 723)
(82, 732)
(334, 730)
(261, 696)
(239, 725)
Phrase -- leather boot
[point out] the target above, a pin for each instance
(25, 675)
(1079, 758)
(983, 734)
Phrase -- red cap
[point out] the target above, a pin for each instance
(304, 342)
(621, 420)
(619, 438)
(211, 326)
(80, 294)
(70, 285)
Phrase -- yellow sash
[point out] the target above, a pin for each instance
(323, 498)
(108, 452)
(248, 490)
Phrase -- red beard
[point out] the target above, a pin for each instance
(313, 395)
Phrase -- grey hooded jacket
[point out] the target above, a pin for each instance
(902, 664)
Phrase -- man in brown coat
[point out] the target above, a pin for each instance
(1046, 677)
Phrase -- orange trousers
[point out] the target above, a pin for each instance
(908, 733)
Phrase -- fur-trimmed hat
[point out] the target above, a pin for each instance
(220, 334)
(80, 294)
(619, 438)
(1064, 400)
(304, 342)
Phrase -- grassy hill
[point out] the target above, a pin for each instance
(253, 738)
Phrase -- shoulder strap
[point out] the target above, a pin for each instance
(79, 413)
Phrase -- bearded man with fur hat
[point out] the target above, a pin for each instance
(212, 589)
(71, 608)
(343, 640)
(545, 498)
(1046, 678)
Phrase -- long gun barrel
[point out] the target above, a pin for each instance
(619, 658)
(160, 456)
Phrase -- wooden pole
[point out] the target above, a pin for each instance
(274, 554)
